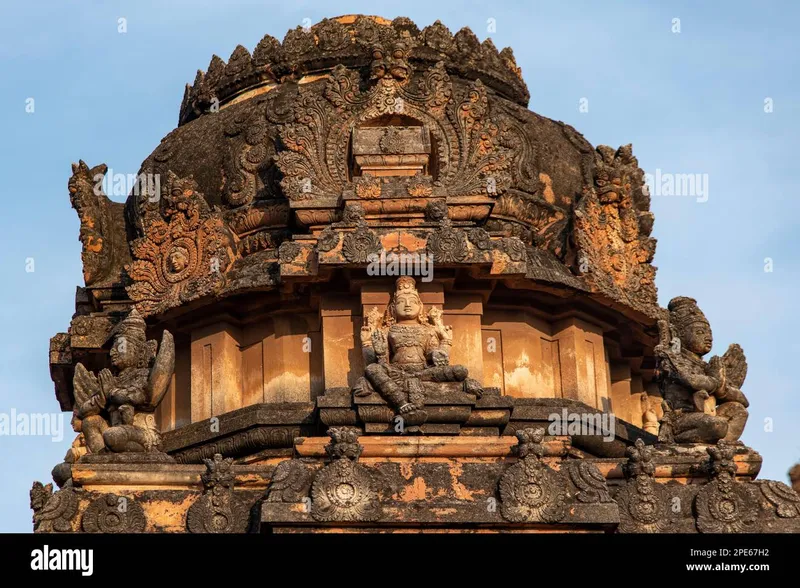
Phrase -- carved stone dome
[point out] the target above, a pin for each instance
(383, 122)
(352, 41)
(363, 231)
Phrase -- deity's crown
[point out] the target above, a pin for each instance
(684, 311)
(406, 284)
(132, 327)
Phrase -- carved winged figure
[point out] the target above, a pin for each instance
(703, 400)
(114, 411)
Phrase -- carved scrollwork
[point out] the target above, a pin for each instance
(291, 481)
(358, 245)
(471, 158)
(724, 505)
(53, 512)
(344, 490)
(531, 491)
(289, 251)
(328, 240)
(643, 505)
(481, 239)
(113, 514)
(483, 163)
(254, 152)
(218, 510)
(244, 443)
(311, 168)
(590, 482)
(781, 498)
(514, 248)
(184, 252)
(447, 245)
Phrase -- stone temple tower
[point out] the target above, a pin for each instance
(361, 285)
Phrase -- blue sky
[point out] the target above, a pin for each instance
(690, 102)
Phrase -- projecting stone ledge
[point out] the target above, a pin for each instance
(243, 432)
(428, 483)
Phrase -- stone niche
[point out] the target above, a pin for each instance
(391, 150)
(296, 357)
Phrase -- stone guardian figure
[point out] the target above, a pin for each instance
(702, 400)
(114, 410)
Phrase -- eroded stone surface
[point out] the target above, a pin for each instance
(519, 376)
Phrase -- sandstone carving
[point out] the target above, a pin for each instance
(447, 245)
(344, 490)
(781, 498)
(315, 193)
(291, 481)
(404, 350)
(114, 411)
(643, 502)
(722, 505)
(184, 253)
(531, 491)
(102, 233)
(612, 227)
(590, 482)
(703, 399)
(53, 512)
(111, 513)
(218, 510)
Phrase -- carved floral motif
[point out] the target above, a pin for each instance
(358, 245)
(472, 159)
(447, 245)
(531, 491)
(643, 502)
(344, 490)
(113, 514)
(328, 240)
(218, 510)
(723, 505)
(291, 481)
(184, 253)
(613, 249)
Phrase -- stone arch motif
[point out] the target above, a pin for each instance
(470, 154)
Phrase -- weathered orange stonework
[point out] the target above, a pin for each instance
(529, 382)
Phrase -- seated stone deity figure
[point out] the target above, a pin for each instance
(410, 348)
(114, 413)
(702, 400)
